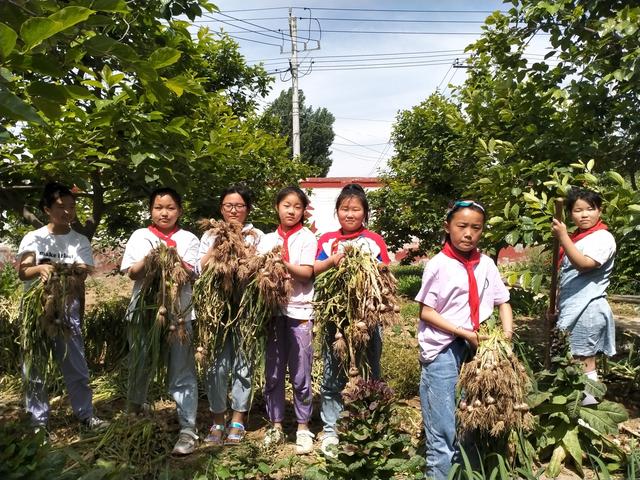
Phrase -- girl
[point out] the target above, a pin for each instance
(586, 262)
(460, 288)
(289, 341)
(57, 242)
(165, 206)
(235, 206)
(352, 209)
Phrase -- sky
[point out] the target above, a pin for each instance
(364, 101)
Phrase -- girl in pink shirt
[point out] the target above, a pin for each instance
(460, 288)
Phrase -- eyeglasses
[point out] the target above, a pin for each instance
(463, 204)
(227, 207)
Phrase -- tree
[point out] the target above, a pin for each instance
(433, 164)
(534, 128)
(129, 101)
(316, 130)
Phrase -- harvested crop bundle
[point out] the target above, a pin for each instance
(358, 296)
(495, 385)
(45, 314)
(158, 316)
(269, 288)
(217, 292)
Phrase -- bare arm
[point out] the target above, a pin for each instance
(433, 318)
(28, 270)
(506, 317)
(324, 265)
(581, 262)
(136, 270)
(301, 273)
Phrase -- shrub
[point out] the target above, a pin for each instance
(401, 366)
(24, 455)
(105, 333)
(371, 446)
(409, 279)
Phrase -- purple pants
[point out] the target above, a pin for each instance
(289, 344)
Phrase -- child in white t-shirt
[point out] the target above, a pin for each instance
(165, 206)
(289, 343)
(586, 263)
(57, 242)
(235, 206)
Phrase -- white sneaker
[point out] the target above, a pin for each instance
(329, 445)
(304, 442)
(274, 436)
(95, 424)
(186, 443)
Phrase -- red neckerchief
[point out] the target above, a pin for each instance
(580, 234)
(285, 238)
(468, 263)
(348, 236)
(166, 238)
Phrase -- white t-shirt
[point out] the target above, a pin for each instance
(69, 248)
(142, 241)
(252, 237)
(303, 246)
(600, 246)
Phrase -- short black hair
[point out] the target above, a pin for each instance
(242, 190)
(52, 192)
(161, 192)
(296, 191)
(592, 198)
(354, 190)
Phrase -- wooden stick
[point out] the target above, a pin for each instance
(550, 318)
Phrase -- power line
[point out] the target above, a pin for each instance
(334, 19)
(369, 158)
(446, 56)
(371, 54)
(385, 32)
(362, 10)
(281, 32)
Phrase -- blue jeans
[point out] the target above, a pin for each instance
(69, 354)
(334, 378)
(229, 362)
(438, 400)
(183, 383)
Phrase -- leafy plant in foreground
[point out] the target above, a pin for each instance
(371, 447)
(566, 430)
(24, 455)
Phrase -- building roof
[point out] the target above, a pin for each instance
(339, 182)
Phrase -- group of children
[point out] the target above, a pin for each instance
(460, 289)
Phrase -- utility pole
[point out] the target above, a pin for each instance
(295, 107)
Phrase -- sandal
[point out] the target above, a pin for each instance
(216, 435)
(235, 438)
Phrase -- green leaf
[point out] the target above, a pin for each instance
(37, 29)
(555, 464)
(8, 39)
(15, 108)
(495, 220)
(512, 237)
(572, 446)
(590, 164)
(616, 177)
(634, 208)
(138, 158)
(163, 57)
(604, 417)
(105, 46)
(595, 388)
(116, 6)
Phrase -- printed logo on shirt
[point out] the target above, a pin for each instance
(59, 255)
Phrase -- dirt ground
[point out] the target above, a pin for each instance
(163, 411)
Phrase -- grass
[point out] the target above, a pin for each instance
(400, 368)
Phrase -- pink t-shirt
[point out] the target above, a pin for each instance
(302, 251)
(445, 288)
